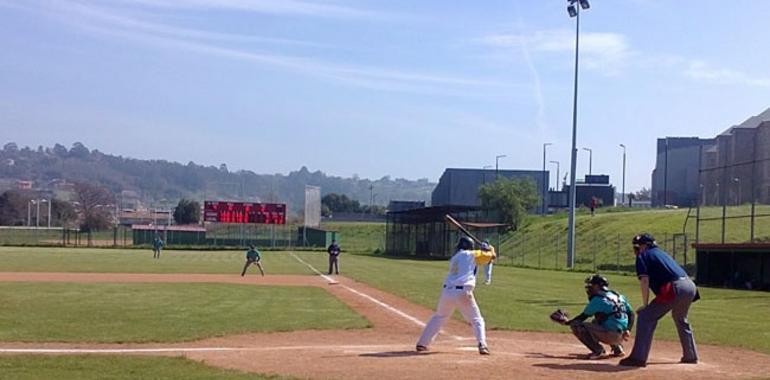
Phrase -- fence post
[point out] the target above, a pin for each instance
(617, 255)
(539, 250)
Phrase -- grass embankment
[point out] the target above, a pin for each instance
(140, 313)
(603, 241)
(93, 367)
(359, 236)
(521, 299)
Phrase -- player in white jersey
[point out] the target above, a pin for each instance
(458, 294)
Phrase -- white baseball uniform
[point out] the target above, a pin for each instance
(458, 294)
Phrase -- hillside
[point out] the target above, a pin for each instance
(605, 238)
(157, 181)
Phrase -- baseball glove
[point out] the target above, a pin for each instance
(559, 317)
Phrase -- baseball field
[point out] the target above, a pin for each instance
(119, 314)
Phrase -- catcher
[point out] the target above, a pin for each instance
(612, 323)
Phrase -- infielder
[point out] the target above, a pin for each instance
(157, 246)
(253, 256)
(612, 322)
(674, 291)
(458, 294)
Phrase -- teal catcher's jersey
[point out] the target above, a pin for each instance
(611, 309)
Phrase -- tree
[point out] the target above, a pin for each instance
(187, 212)
(93, 204)
(63, 213)
(13, 208)
(512, 198)
(11, 147)
(79, 150)
(643, 195)
(340, 203)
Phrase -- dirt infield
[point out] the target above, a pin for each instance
(386, 350)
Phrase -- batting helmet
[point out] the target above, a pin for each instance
(644, 238)
(598, 279)
(464, 243)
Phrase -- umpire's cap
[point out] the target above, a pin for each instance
(464, 243)
(644, 238)
(598, 279)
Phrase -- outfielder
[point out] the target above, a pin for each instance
(612, 323)
(458, 294)
(157, 246)
(253, 256)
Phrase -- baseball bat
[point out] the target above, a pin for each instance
(449, 219)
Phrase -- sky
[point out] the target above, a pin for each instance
(375, 88)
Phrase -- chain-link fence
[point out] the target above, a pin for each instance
(71, 237)
(593, 252)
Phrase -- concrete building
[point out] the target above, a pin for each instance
(460, 187)
(732, 168)
(736, 169)
(593, 186)
(675, 177)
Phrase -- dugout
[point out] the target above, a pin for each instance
(423, 232)
(734, 265)
(315, 237)
(144, 234)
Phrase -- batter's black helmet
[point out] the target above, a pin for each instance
(465, 243)
(644, 239)
(598, 279)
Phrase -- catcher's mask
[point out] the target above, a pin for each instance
(599, 280)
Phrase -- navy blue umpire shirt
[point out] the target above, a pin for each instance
(659, 266)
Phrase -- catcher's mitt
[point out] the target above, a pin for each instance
(559, 317)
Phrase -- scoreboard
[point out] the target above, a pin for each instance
(244, 213)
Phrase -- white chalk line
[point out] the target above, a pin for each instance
(372, 299)
(186, 349)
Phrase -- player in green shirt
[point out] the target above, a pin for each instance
(612, 322)
(253, 257)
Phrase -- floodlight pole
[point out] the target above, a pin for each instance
(573, 162)
(557, 173)
(545, 188)
(497, 165)
(623, 194)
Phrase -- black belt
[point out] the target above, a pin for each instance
(456, 287)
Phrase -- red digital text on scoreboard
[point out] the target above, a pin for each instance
(244, 213)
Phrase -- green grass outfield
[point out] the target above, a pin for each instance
(173, 312)
(107, 260)
(93, 367)
(521, 299)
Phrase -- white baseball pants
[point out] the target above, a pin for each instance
(451, 299)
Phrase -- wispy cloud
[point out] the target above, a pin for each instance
(289, 7)
(605, 52)
(104, 22)
(703, 72)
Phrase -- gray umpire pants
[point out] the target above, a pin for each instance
(590, 334)
(334, 263)
(648, 318)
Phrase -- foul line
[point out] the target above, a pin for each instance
(370, 298)
(180, 349)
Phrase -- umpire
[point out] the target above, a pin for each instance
(674, 291)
